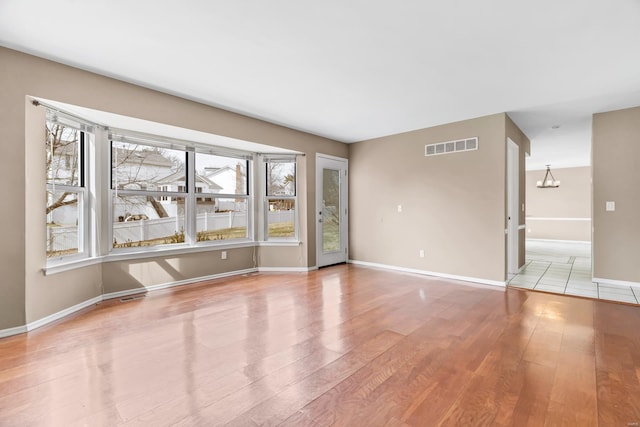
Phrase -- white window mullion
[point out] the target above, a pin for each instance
(190, 215)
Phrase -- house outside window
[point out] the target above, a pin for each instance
(223, 203)
(280, 198)
(146, 209)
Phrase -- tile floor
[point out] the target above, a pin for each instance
(565, 268)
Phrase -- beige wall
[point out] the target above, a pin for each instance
(616, 177)
(139, 273)
(562, 213)
(453, 206)
(25, 293)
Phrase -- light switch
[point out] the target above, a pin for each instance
(611, 206)
(399, 208)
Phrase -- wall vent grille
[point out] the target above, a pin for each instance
(467, 144)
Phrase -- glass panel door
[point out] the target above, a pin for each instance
(331, 204)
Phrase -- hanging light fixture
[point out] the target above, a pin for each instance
(549, 181)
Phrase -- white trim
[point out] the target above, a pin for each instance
(146, 289)
(286, 269)
(330, 157)
(96, 300)
(279, 243)
(72, 265)
(125, 293)
(12, 331)
(616, 282)
(512, 211)
(429, 273)
(63, 313)
(541, 218)
(199, 279)
(164, 252)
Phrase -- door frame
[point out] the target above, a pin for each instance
(344, 211)
(513, 204)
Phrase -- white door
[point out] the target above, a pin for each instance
(331, 210)
(513, 202)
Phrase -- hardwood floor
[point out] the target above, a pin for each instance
(344, 346)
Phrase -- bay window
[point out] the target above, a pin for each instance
(156, 193)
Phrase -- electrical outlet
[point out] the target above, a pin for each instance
(223, 255)
(399, 208)
(421, 253)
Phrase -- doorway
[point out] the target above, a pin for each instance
(331, 208)
(513, 202)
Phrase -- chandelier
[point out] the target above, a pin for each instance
(549, 181)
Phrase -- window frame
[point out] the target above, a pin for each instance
(188, 193)
(160, 194)
(81, 190)
(247, 195)
(267, 198)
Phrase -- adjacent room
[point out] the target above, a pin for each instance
(339, 213)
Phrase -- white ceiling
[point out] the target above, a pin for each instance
(353, 69)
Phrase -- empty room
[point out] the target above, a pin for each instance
(312, 214)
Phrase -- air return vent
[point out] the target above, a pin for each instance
(448, 147)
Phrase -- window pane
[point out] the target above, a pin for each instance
(147, 221)
(143, 167)
(63, 154)
(220, 175)
(330, 210)
(221, 219)
(63, 236)
(281, 179)
(281, 218)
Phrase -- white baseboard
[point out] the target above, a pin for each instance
(70, 310)
(286, 269)
(616, 282)
(429, 273)
(13, 331)
(120, 294)
(62, 313)
(200, 279)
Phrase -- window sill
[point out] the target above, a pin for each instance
(280, 243)
(61, 267)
